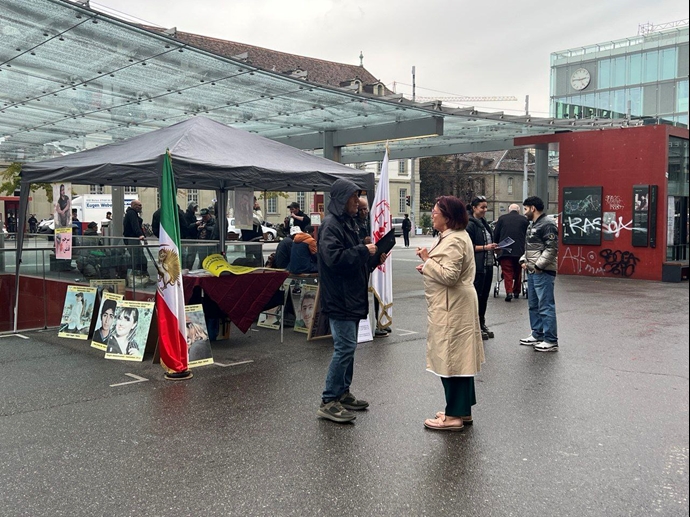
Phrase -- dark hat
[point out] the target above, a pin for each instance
(92, 224)
(204, 211)
(294, 205)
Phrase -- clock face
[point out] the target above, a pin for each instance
(580, 79)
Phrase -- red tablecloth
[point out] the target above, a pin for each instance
(241, 297)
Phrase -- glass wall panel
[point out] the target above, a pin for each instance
(619, 101)
(682, 96)
(668, 66)
(604, 74)
(635, 69)
(604, 100)
(651, 66)
(635, 97)
(618, 72)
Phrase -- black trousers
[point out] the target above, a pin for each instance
(482, 284)
(406, 237)
(460, 395)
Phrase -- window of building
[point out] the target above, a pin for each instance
(272, 205)
(510, 186)
(192, 196)
(635, 69)
(651, 66)
(635, 98)
(402, 202)
(667, 63)
(619, 101)
(604, 74)
(682, 96)
(618, 72)
(96, 189)
(301, 199)
(379, 167)
(402, 171)
(130, 190)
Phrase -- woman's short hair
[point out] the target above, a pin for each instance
(454, 210)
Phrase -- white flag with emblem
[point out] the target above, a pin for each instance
(382, 277)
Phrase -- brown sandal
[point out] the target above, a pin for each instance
(467, 420)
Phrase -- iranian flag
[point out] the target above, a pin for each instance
(172, 331)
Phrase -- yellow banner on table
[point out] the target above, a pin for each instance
(217, 266)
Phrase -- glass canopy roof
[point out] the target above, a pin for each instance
(73, 78)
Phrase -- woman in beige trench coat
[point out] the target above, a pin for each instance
(454, 349)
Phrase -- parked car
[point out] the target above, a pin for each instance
(270, 234)
(397, 225)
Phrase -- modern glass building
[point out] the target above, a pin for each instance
(642, 76)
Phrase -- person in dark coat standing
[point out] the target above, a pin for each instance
(345, 264)
(132, 230)
(511, 225)
(406, 228)
(482, 239)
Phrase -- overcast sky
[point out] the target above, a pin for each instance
(458, 47)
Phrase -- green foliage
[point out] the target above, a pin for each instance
(272, 195)
(10, 182)
(425, 221)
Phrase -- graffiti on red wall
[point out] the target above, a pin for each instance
(608, 261)
(581, 262)
(614, 202)
(619, 262)
(573, 225)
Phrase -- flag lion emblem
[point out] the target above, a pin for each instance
(170, 271)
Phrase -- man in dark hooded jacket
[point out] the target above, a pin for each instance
(344, 267)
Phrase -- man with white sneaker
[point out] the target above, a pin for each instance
(540, 264)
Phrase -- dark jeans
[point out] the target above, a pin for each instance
(482, 284)
(512, 274)
(136, 251)
(406, 237)
(339, 376)
(460, 396)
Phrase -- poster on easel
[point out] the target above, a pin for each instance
(110, 285)
(77, 312)
(130, 331)
(198, 342)
(105, 320)
(304, 303)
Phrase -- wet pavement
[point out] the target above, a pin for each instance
(599, 428)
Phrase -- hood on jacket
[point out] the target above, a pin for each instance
(341, 191)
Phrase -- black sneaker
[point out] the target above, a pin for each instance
(485, 330)
(349, 401)
(516, 295)
(380, 333)
(509, 297)
(335, 412)
(485, 336)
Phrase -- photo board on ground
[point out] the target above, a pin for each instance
(198, 342)
(319, 327)
(304, 303)
(270, 319)
(105, 319)
(129, 336)
(77, 312)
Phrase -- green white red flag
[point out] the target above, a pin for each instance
(172, 331)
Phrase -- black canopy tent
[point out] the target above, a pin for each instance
(205, 155)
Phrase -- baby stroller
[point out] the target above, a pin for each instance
(499, 280)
